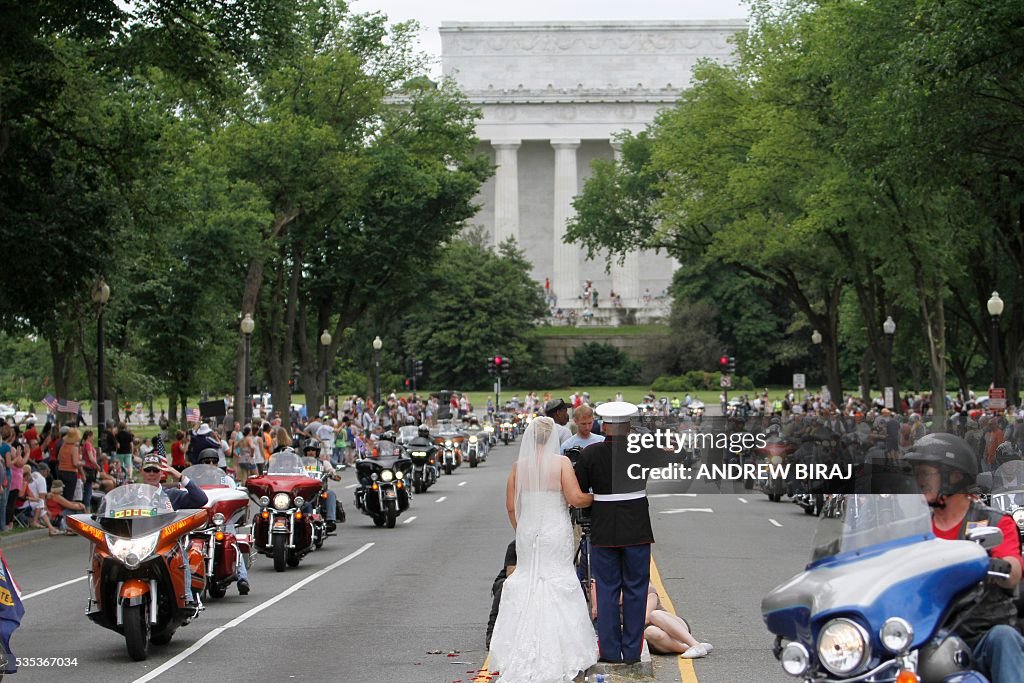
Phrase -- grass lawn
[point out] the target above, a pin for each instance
(560, 331)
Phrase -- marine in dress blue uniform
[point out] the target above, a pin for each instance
(621, 534)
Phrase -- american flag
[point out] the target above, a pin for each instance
(159, 448)
(66, 405)
(192, 415)
(50, 402)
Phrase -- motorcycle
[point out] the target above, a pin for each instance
(137, 575)
(282, 530)
(451, 455)
(696, 411)
(424, 471)
(775, 451)
(475, 452)
(1005, 487)
(383, 494)
(881, 596)
(221, 550)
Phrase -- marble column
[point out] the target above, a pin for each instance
(626, 278)
(566, 257)
(506, 190)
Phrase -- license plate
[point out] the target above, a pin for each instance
(280, 523)
(389, 494)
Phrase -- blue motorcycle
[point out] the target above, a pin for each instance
(881, 597)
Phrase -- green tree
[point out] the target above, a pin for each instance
(476, 304)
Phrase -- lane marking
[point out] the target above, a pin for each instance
(484, 674)
(774, 522)
(441, 499)
(166, 666)
(463, 483)
(53, 588)
(678, 510)
(409, 520)
(669, 495)
(687, 674)
(742, 500)
(352, 486)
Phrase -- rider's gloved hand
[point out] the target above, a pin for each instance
(998, 570)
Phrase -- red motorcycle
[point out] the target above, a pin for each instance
(220, 545)
(282, 530)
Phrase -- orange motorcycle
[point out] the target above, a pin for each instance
(139, 584)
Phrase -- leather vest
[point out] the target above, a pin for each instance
(996, 605)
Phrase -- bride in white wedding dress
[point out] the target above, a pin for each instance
(543, 633)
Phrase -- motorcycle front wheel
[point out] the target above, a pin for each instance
(136, 631)
(391, 515)
(280, 552)
(447, 468)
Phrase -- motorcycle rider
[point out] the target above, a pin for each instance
(312, 449)
(946, 469)
(212, 457)
(191, 497)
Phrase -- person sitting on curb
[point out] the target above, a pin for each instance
(57, 506)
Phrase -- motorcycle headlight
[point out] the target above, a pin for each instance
(299, 500)
(795, 659)
(218, 519)
(489, 429)
(281, 501)
(399, 474)
(896, 635)
(264, 501)
(842, 646)
(776, 459)
(448, 444)
(1018, 516)
(132, 551)
(472, 439)
(419, 454)
(387, 475)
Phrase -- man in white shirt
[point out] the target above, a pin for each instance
(325, 435)
(584, 419)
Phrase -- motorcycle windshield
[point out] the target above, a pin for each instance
(207, 475)
(134, 510)
(861, 521)
(408, 433)
(286, 462)
(1008, 487)
(384, 449)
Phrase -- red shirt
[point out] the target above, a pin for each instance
(178, 454)
(1010, 547)
(36, 453)
(31, 434)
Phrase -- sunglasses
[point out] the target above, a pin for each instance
(150, 469)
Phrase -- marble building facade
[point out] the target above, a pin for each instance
(553, 97)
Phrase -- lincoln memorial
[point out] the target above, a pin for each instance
(553, 97)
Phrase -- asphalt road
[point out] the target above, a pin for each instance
(373, 604)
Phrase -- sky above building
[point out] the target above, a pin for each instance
(431, 13)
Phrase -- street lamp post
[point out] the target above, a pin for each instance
(325, 341)
(100, 297)
(889, 329)
(816, 340)
(377, 345)
(246, 327)
(152, 418)
(995, 309)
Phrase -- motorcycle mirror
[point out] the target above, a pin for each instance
(988, 537)
(985, 482)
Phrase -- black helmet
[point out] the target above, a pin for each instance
(947, 452)
(424, 431)
(1007, 452)
(208, 454)
(311, 445)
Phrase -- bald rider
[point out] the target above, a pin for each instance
(621, 534)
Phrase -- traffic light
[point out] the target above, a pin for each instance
(723, 363)
(505, 367)
(731, 366)
(417, 369)
(491, 366)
